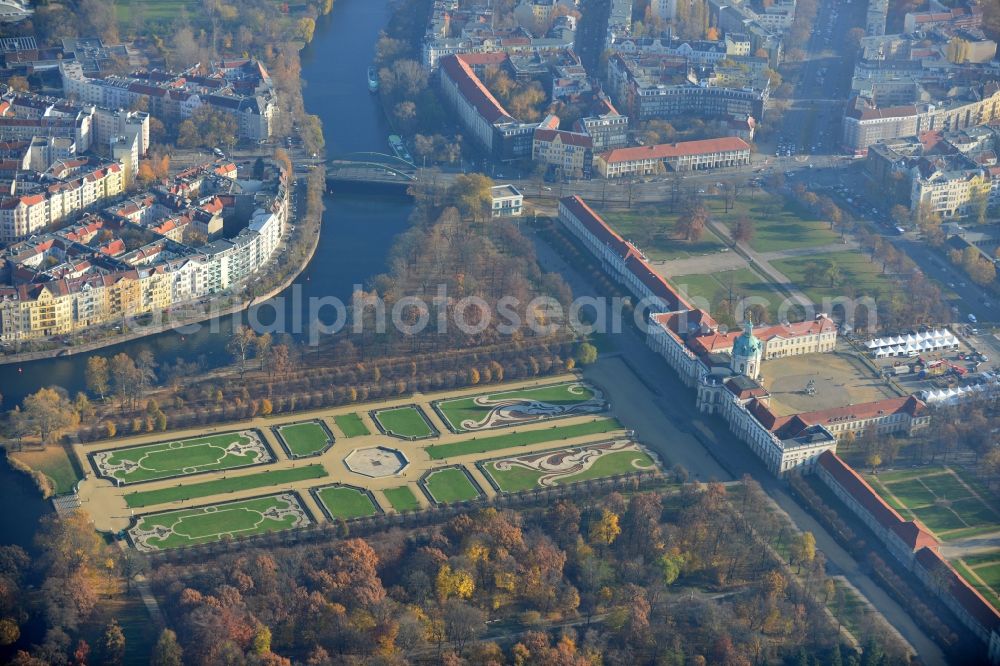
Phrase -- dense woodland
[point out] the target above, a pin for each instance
(675, 579)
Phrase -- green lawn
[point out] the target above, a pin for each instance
(187, 527)
(351, 425)
(480, 412)
(402, 498)
(162, 460)
(305, 439)
(779, 223)
(227, 485)
(152, 10)
(345, 502)
(939, 498)
(519, 478)
(450, 485)
(988, 580)
(651, 228)
(857, 276)
(720, 290)
(406, 422)
(54, 462)
(499, 442)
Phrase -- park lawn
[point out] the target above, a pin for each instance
(906, 474)
(450, 485)
(498, 442)
(946, 486)
(990, 575)
(54, 462)
(714, 288)
(887, 495)
(916, 494)
(939, 519)
(346, 503)
(651, 228)
(612, 464)
(911, 493)
(517, 479)
(305, 439)
(188, 527)
(458, 410)
(779, 223)
(351, 425)
(181, 457)
(402, 498)
(227, 485)
(858, 276)
(155, 10)
(406, 422)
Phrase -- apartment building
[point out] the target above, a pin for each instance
(866, 123)
(571, 152)
(86, 275)
(86, 183)
(682, 156)
(241, 89)
(665, 86)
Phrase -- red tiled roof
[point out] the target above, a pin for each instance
(867, 410)
(668, 150)
(629, 254)
(724, 341)
(472, 89)
(967, 596)
(570, 138)
(887, 112)
(911, 532)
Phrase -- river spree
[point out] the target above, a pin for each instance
(358, 227)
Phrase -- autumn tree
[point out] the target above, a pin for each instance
(605, 529)
(241, 342)
(97, 375)
(113, 644)
(48, 412)
(167, 651)
(471, 195)
(743, 233)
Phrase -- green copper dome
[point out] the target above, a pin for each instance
(747, 345)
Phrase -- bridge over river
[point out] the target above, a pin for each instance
(368, 167)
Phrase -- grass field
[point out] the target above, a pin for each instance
(152, 10)
(55, 463)
(563, 467)
(779, 223)
(715, 289)
(500, 442)
(187, 527)
(351, 425)
(983, 573)
(345, 502)
(162, 460)
(858, 276)
(305, 439)
(450, 485)
(227, 485)
(949, 506)
(406, 422)
(490, 410)
(651, 228)
(402, 498)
